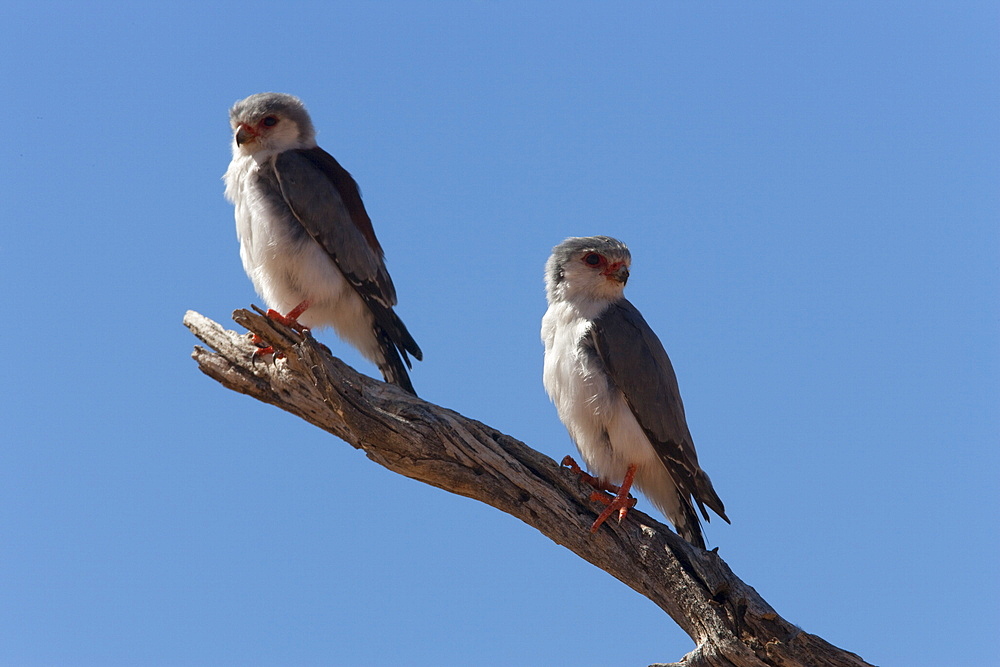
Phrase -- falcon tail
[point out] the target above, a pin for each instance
(393, 369)
(706, 495)
(688, 525)
(403, 340)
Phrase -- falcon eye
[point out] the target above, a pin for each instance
(593, 259)
(270, 121)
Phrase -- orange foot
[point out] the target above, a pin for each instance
(289, 320)
(620, 501)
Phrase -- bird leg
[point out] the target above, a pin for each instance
(290, 320)
(620, 501)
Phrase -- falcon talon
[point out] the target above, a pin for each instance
(263, 349)
(262, 352)
(624, 510)
(621, 507)
(586, 478)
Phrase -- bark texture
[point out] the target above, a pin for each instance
(730, 623)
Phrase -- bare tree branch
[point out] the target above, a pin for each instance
(730, 623)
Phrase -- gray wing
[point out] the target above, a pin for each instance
(325, 199)
(639, 366)
(318, 191)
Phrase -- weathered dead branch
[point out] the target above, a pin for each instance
(730, 623)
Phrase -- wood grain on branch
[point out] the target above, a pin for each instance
(729, 622)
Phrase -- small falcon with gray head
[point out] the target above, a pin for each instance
(615, 389)
(306, 240)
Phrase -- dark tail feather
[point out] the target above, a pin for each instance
(388, 321)
(403, 340)
(688, 525)
(393, 369)
(706, 495)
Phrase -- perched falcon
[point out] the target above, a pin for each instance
(615, 389)
(305, 238)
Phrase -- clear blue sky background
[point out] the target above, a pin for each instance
(810, 192)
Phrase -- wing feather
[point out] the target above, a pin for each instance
(325, 199)
(639, 366)
(317, 190)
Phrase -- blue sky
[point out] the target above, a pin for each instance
(810, 193)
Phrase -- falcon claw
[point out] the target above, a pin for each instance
(290, 320)
(622, 504)
(263, 349)
(568, 462)
(621, 500)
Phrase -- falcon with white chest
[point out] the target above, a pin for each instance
(306, 240)
(615, 389)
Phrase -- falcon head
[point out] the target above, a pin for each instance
(593, 268)
(269, 123)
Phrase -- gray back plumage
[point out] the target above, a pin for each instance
(319, 206)
(325, 200)
(639, 366)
